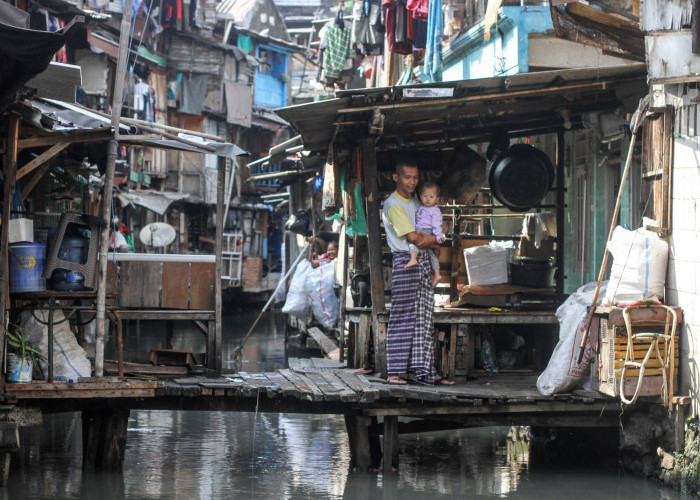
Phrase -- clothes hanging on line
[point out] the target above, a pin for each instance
(337, 51)
(367, 27)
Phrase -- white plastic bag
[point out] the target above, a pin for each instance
(297, 303)
(639, 266)
(69, 359)
(563, 373)
(324, 304)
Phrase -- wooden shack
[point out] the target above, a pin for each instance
(443, 127)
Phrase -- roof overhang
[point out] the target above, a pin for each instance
(522, 104)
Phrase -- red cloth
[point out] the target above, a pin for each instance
(419, 8)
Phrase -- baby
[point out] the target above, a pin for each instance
(429, 221)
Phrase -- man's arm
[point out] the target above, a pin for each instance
(422, 240)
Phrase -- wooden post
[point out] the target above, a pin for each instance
(9, 172)
(9, 442)
(214, 358)
(391, 445)
(343, 295)
(374, 242)
(102, 257)
(104, 439)
(358, 438)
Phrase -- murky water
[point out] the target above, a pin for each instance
(211, 455)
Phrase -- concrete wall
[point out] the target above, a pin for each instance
(683, 279)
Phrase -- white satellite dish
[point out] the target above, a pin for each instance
(157, 234)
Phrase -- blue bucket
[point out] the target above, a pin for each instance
(26, 265)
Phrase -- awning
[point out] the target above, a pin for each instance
(417, 115)
(66, 119)
(25, 53)
(153, 200)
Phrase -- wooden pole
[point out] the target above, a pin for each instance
(343, 293)
(214, 358)
(606, 254)
(9, 172)
(117, 96)
(374, 242)
(560, 212)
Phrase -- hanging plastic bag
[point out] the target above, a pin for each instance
(319, 287)
(297, 303)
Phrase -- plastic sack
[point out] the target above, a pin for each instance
(297, 303)
(319, 287)
(488, 355)
(639, 266)
(70, 361)
(563, 372)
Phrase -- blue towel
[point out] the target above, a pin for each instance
(432, 66)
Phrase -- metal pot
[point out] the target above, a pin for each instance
(521, 178)
(533, 272)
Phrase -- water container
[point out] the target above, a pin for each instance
(73, 249)
(19, 369)
(26, 265)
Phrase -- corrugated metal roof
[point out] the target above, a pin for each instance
(522, 103)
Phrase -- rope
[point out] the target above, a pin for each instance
(664, 362)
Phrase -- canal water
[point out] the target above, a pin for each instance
(213, 455)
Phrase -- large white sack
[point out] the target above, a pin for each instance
(324, 304)
(297, 302)
(563, 373)
(69, 359)
(639, 266)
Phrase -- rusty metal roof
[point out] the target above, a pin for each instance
(417, 115)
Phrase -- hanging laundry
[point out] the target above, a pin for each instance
(418, 8)
(144, 101)
(367, 27)
(335, 42)
(432, 67)
(420, 33)
(395, 16)
(194, 91)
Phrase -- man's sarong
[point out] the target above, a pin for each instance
(410, 332)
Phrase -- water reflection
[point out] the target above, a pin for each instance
(211, 455)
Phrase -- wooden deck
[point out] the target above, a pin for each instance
(318, 386)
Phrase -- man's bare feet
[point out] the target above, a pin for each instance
(412, 262)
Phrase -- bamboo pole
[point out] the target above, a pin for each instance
(634, 125)
(117, 96)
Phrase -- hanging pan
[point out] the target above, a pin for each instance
(521, 178)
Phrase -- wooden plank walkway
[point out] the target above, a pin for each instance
(309, 389)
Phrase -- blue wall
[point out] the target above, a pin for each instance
(506, 53)
(270, 89)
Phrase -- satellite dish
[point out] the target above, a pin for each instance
(157, 234)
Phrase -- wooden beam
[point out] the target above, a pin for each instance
(564, 89)
(374, 243)
(29, 187)
(391, 444)
(96, 135)
(551, 407)
(43, 157)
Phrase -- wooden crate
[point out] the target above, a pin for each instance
(612, 346)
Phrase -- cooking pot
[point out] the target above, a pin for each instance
(521, 177)
(532, 271)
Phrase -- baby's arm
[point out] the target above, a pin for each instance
(437, 225)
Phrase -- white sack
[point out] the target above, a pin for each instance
(639, 266)
(69, 359)
(324, 304)
(297, 303)
(563, 373)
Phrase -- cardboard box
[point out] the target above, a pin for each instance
(486, 265)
